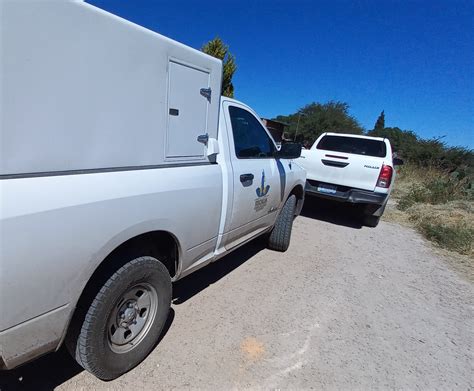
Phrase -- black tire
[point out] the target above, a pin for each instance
(371, 221)
(93, 346)
(279, 238)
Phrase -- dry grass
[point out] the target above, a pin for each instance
(450, 225)
(409, 176)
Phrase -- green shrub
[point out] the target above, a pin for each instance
(439, 190)
(417, 193)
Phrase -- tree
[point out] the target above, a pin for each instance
(380, 123)
(402, 141)
(316, 118)
(217, 48)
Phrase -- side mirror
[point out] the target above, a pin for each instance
(289, 151)
(397, 161)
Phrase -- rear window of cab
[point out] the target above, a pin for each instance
(355, 145)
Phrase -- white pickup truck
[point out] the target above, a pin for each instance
(121, 170)
(353, 169)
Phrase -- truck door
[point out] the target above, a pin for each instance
(256, 178)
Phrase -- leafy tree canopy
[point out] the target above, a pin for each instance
(315, 118)
(217, 48)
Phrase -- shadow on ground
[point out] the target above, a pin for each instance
(194, 283)
(50, 371)
(43, 374)
(333, 212)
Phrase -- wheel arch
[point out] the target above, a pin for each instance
(162, 245)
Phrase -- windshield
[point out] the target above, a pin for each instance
(355, 145)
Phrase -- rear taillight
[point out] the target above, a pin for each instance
(385, 177)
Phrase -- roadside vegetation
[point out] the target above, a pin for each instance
(439, 204)
(435, 189)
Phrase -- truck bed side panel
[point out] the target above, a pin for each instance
(55, 230)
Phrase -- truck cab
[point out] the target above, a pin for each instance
(260, 181)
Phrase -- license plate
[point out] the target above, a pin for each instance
(328, 189)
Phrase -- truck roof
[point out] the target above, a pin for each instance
(232, 100)
(354, 135)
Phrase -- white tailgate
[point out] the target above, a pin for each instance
(357, 171)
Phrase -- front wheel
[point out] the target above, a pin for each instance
(125, 319)
(280, 235)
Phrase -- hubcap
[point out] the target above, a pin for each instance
(132, 317)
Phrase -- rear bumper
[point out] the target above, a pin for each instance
(344, 194)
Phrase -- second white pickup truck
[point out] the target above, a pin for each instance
(121, 170)
(353, 169)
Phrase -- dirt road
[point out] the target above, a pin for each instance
(346, 307)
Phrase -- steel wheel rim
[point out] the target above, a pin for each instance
(131, 317)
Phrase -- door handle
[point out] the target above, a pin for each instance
(246, 177)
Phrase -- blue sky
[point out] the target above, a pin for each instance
(413, 59)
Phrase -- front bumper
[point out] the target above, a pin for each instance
(346, 194)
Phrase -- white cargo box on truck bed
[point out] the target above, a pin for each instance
(109, 94)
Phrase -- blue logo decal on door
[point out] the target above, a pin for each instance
(262, 191)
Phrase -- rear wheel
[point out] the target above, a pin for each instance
(371, 221)
(280, 235)
(372, 215)
(124, 320)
